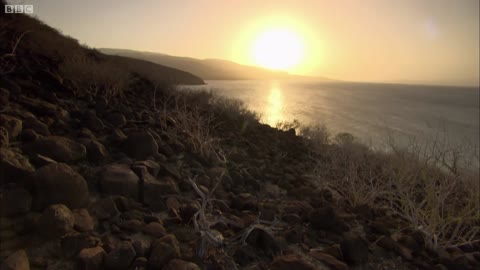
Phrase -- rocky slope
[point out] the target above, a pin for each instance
(91, 181)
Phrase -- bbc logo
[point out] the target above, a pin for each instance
(18, 8)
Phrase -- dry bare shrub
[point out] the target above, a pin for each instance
(189, 123)
(94, 77)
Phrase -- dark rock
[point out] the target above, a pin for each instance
(36, 125)
(132, 225)
(244, 201)
(83, 221)
(152, 167)
(11, 124)
(117, 137)
(121, 257)
(14, 167)
(300, 208)
(96, 152)
(40, 107)
(91, 258)
(40, 161)
(58, 183)
(163, 250)
(16, 261)
(169, 169)
(87, 134)
(119, 179)
(104, 209)
(335, 251)
(117, 119)
(354, 249)
(177, 264)
(58, 148)
(188, 210)
(155, 229)
(323, 219)
(288, 262)
(4, 97)
(151, 189)
(140, 263)
(4, 140)
(29, 135)
(92, 122)
(263, 240)
(73, 243)
(14, 201)
(141, 145)
(329, 260)
(56, 221)
(389, 244)
(141, 247)
(245, 255)
(295, 234)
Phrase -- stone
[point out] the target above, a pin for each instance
(14, 167)
(121, 257)
(36, 125)
(152, 189)
(56, 221)
(59, 183)
(16, 261)
(288, 262)
(177, 264)
(163, 250)
(117, 119)
(117, 137)
(141, 145)
(12, 124)
(263, 240)
(91, 258)
(354, 249)
(29, 135)
(4, 140)
(87, 134)
(119, 179)
(332, 262)
(83, 221)
(96, 152)
(73, 243)
(244, 201)
(155, 229)
(323, 218)
(58, 148)
(40, 161)
(152, 167)
(40, 107)
(14, 201)
(4, 97)
(104, 209)
(92, 122)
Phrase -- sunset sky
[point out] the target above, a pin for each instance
(430, 41)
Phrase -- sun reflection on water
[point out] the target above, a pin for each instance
(274, 105)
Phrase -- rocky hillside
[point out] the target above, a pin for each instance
(99, 173)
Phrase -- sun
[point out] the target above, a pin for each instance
(278, 49)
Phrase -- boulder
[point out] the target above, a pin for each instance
(73, 243)
(155, 229)
(263, 240)
(83, 221)
(96, 152)
(117, 119)
(91, 258)
(58, 148)
(14, 201)
(59, 183)
(29, 135)
(16, 261)
(141, 145)
(11, 124)
(332, 262)
(152, 189)
(290, 261)
(104, 209)
(56, 221)
(120, 257)
(4, 140)
(354, 249)
(40, 107)
(244, 201)
(119, 179)
(92, 122)
(36, 125)
(152, 167)
(4, 97)
(177, 264)
(323, 218)
(14, 167)
(163, 250)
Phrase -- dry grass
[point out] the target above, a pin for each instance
(427, 184)
(94, 77)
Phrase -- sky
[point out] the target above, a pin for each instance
(412, 41)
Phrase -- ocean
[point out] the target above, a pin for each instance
(372, 112)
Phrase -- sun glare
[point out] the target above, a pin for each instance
(278, 49)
